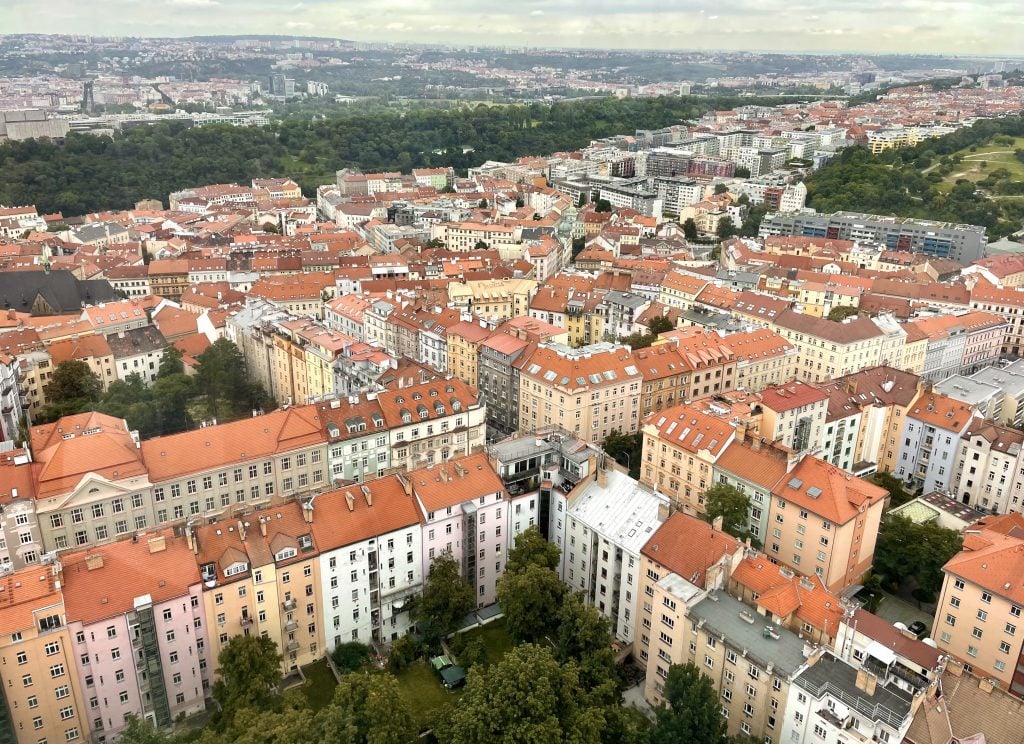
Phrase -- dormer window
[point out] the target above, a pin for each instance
(286, 553)
(236, 568)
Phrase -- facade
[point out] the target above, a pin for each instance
(763, 358)
(41, 699)
(608, 521)
(371, 563)
(986, 467)
(827, 349)
(499, 363)
(137, 351)
(591, 391)
(793, 415)
(143, 643)
(931, 440)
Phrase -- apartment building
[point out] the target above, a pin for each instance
(140, 642)
(41, 699)
(578, 311)
(931, 434)
(680, 447)
(709, 358)
(763, 358)
(962, 243)
(754, 468)
(91, 349)
(608, 520)
(751, 664)
(137, 351)
(371, 560)
(986, 466)
(590, 391)
(684, 559)
(464, 340)
(832, 700)
(824, 521)
(978, 614)
(961, 343)
(800, 604)
(261, 575)
(666, 378)
(827, 349)
(793, 415)
(494, 299)
(502, 356)
(464, 510)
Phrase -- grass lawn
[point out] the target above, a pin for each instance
(495, 638)
(319, 686)
(423, 692)
(994, 155)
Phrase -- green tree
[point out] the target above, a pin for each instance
(74, 388)
(898, 495)
(526, 697)
(660, 324)
(841, 312)
(531, 549)
(584, 635)
(912, 555)
(367, 709)
(742, 172)
(690, 229)
(721, 188)
(221, 379)
(602, 205)
(626, 449)
(349, 657)
(141, 731)
(474, 653)
(732, 505)
(530, 599)
(691, 710)
(446, 599)
(726, 229)
(170, 362)
(249, 668)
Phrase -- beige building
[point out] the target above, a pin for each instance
(37, 661)
(262, 577)
(763, 358)
(827, 349)
(464, 341)
(978, 615)
(680, 447)
(591, 391)
(494, 299)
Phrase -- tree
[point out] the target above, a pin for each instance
(726, 228)
(660, 324)
(913, 554)
(841, 312)
(349, 657)
(74, 388)
(584, 635)
(690, 229)
(249, 668)
(732, 505)
(721, 188)
(221, 378)
(482, 204)
(481, 246)
(530, 599)
(474, 653)
(691, 710)
(446, 599)
(602, 205)
(741, 172)
(898, 495)
(531, 549)
(140, 731)
(526, 697)
(367, 709)
(626, 449)
(170, 362)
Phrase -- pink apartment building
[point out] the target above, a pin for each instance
(135, 617)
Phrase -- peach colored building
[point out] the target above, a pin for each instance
(824, 521)
(42, 694)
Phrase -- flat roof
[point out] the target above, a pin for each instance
(623, 510)
(889, 702)
(721, 614)
(967, 389)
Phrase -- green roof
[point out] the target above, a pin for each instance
(917, 512)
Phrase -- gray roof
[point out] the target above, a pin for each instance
(1009, 379)
(622, 511)
(721, 614)
(967, 389)
(136, 341)
(626, 299)
(830, 675)
(61, 290)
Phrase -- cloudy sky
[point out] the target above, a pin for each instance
(931, 26)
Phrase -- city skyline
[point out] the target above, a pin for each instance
(955, 27)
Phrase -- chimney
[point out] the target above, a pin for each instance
(307, 511)
(350, 499)
(664, 511)
(602, 477)
(94, 561)
(191, 537)
(443, 474)
(367, 494)
(241, 530)
(406, 485)
(263, 526)
(866, 681)
(157, 544)
(716, 523)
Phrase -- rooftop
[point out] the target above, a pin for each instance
(622, 510)
(688, 546)
(837, 678)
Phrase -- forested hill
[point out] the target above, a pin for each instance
(90, 173)
(938, 179)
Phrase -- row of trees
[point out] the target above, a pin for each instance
(219, 389)
(89, 173)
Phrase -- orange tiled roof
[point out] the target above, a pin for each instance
(377, 507)
(455, 481)
(691, 429)
(688, 546)
(22, 593)
(827, 491)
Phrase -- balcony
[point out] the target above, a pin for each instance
(291, 625)
(292, 646)
(288, 605)
(245, 621)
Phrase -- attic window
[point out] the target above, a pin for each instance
(305, 542)
(284, 554)
(236, 568)
(399, 399)
(814, 492)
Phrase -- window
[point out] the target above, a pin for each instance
(57, 670)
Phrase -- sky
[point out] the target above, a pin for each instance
(989, 27)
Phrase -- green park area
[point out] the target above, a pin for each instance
(992, 166)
